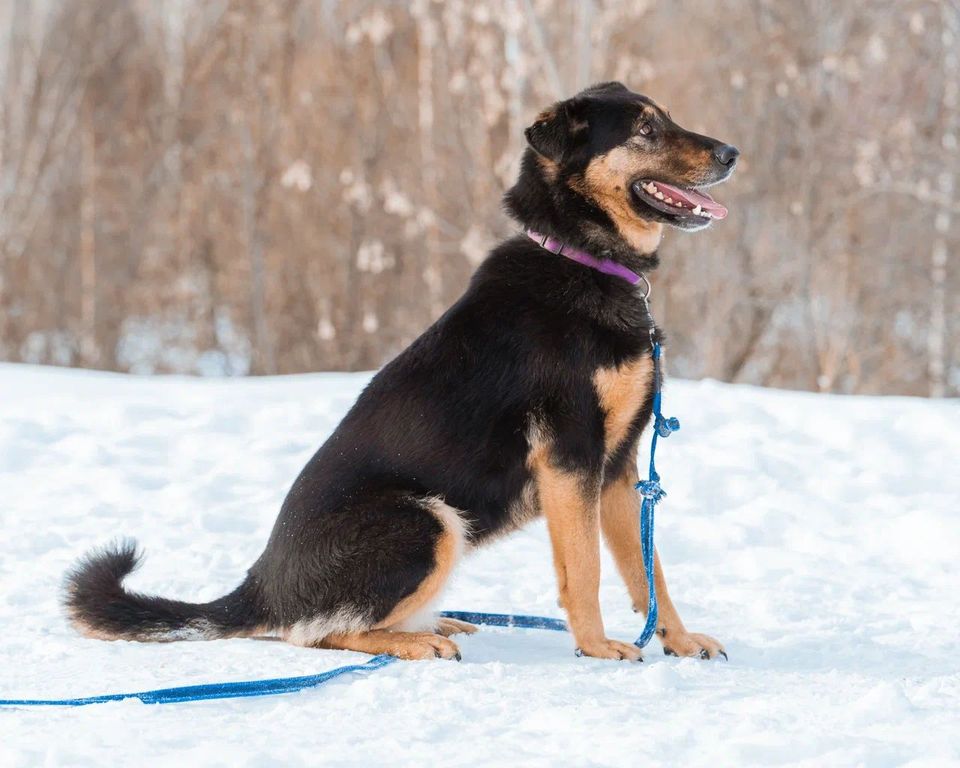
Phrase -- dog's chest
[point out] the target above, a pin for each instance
(621, 391)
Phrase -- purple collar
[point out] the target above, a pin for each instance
(606, 266)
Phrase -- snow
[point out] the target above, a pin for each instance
(816, 536)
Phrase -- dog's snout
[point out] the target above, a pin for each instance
(726, 154)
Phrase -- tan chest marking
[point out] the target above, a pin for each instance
(549, 167)
(622, 391)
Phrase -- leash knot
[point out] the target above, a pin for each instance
(665, 426)
(650, 489)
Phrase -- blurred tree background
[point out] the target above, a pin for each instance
(272, 186)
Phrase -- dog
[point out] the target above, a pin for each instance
(526, 398)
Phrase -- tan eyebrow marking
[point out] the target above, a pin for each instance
(645, 114)
(657, 105)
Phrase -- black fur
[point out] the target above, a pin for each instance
(94, 594)
(448, 418)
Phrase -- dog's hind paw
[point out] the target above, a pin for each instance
(447, 627)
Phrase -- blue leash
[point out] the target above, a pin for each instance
(650, 491)
(508, 620)
(208, 691)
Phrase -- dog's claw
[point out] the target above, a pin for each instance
(704, 653)
(724, 654)
(577, 652)
(669, 652)
(458, 657)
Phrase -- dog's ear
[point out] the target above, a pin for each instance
(558, 130)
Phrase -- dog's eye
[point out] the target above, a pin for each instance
(646, 129)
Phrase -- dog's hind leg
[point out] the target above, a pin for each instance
(402, 624)
(393, 635)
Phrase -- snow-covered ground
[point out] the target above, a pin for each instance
(817, 537)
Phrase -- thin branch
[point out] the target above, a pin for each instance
(543, 52)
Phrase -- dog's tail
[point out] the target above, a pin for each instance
(99, 607)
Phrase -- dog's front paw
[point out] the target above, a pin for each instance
(690, 644)
(610, 649)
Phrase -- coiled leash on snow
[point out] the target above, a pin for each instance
(649, 490)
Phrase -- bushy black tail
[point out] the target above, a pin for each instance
(99, 606)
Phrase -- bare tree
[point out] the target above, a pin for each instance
(259, 186)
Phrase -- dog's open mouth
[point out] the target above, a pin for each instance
(686, 204)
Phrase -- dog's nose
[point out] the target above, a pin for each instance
(726, 154)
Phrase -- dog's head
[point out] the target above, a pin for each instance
(609, 168)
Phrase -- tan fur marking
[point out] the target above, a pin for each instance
(619, 520)
(447, 552)
(403, 645)
(526, 507)
(572, 521)
(92, 633)
(549, 167)
(570, 504)
(696, 160)
(657, 105)
(547, 115)
(447, 627)
(622, 390)
(605, 182)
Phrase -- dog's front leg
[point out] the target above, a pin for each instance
(571, 505)
(620, 520)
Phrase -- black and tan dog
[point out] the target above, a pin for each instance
(527, 397)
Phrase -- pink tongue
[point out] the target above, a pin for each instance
(692, 199)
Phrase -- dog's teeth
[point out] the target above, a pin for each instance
(659, 195)
(668, 200)
(697, 210)
(678, 204)
(650, 187)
